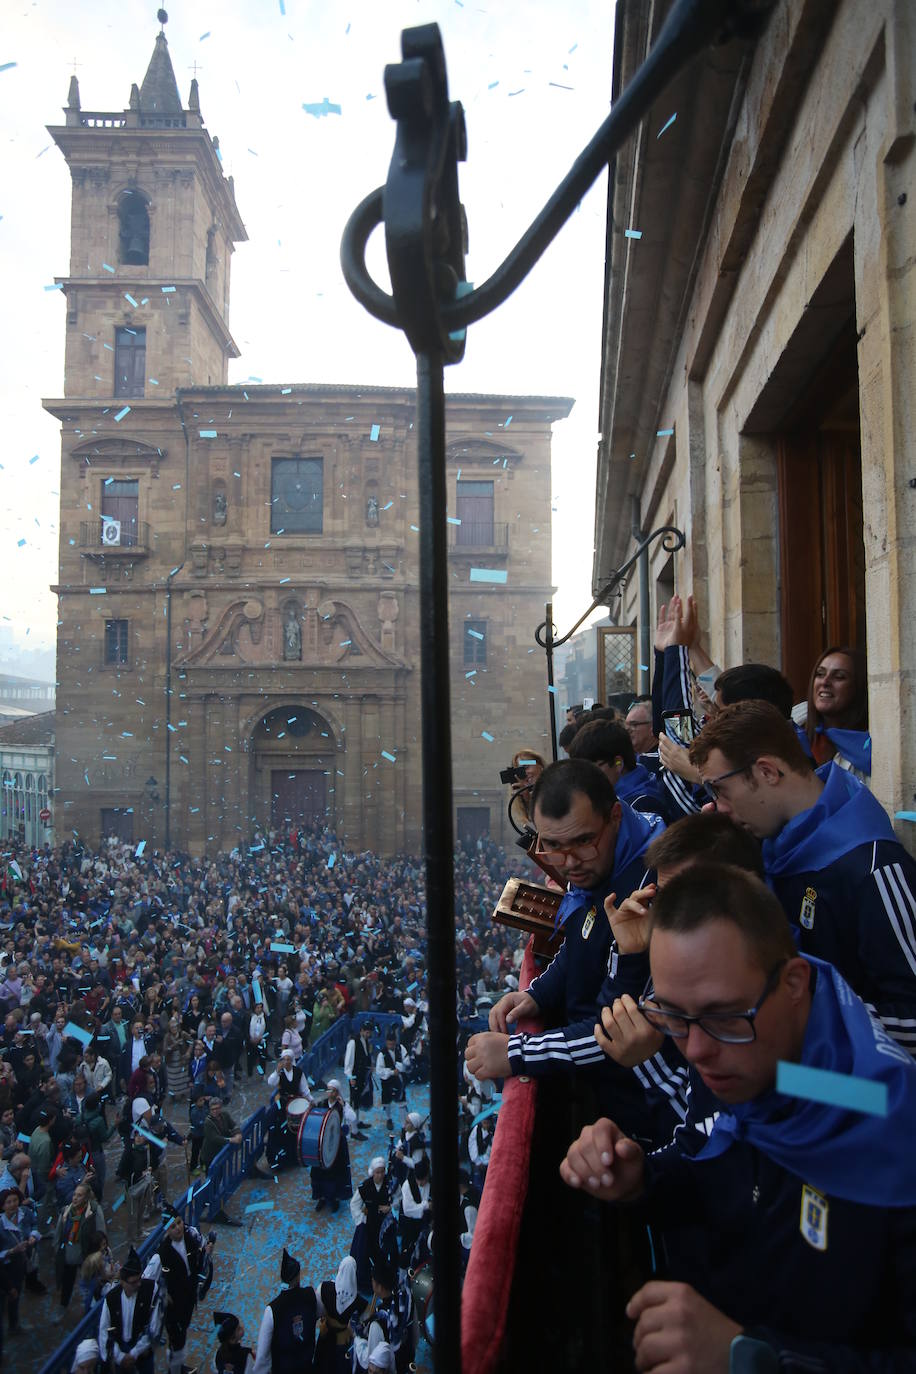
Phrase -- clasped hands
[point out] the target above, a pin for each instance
(676, 1330)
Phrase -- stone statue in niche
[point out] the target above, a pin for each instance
(220, 508)
(372, 511)
(292, 637)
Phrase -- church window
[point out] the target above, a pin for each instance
(119, 505)
(130, 362)
(297, 496)
(475, 643)
(475, 511)
(133, 229)
(116, 642)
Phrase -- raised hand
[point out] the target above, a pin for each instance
(625, 1035)
(630, 921)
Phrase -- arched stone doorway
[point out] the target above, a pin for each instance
(293, 754)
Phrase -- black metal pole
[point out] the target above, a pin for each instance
(551, 686)
(438, 848)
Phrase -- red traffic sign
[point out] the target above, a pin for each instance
(44, 814)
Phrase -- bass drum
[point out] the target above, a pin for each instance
(318, 1140)
(421, 1290)
(296, 1109)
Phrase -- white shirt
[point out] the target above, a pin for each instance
(409, 1208)
(145, 1343)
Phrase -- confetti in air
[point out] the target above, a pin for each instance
(667, 125)
(321, 108)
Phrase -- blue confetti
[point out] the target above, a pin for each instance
(390, 757)
(663, 433)
(666, 125)
(286, 390)
(508, 423)
(451, 520)
(905, 815)
(121, 413)
(388, 505)
(485, 734)
(167, 289)
(322, 108)
(492, 86)
(203, 36)
(374, 432)
(129, 297)
(106, 268)
(138, 852)
(475, 634)
(55, 286)
(632, 233)
(21, 543)
(332, 859)
(832, 1089)
(208, 434)
(644, 667)
(97, 591)
(488, 575)
(7, 65)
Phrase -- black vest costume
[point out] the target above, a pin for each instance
(142, 1312)
(292, 1345)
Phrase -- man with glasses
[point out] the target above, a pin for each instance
(789, 1234)
(598, 844)
(830, 854)
(639, 728)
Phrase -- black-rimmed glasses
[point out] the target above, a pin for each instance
(585, 850)
(712, 786)
(731, 1027)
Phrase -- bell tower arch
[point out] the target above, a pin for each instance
(153, 228)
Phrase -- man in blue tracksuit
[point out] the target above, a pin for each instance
(787, 1240)
(598, 843)
(845, 881)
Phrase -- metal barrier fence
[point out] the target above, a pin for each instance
(229, 1168)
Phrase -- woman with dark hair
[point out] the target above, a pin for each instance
(836, 723)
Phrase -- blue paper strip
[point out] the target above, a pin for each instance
(281, 948)
(77, 1032)
(833, 1089)
(259, 1207)
(488, 575)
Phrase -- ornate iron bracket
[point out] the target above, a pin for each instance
(425, 226)
(425, 239)
(545, 635)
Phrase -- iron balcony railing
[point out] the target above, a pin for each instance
(478, 534)
(99, 537)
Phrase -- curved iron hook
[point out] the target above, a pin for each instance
(690, 26)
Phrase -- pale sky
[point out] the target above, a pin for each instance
(297, 178)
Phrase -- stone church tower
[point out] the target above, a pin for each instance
(238, 629)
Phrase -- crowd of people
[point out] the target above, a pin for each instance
(140, 987)
(734, 1006)
(734, 904)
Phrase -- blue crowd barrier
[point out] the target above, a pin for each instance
(204, 1200)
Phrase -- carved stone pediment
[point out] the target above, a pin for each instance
(472, 450)
(331, 635)
(127, 452)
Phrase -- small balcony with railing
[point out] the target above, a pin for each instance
(114, 539)
(475, 537)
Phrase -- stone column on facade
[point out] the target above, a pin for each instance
(388, 781)
(885, 265)
(230, 832)
(370, 792)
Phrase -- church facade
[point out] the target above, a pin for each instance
(238, 630)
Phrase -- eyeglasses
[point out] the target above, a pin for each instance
(632, 724)
(712, 786)
(586, 849)
(730, 1027)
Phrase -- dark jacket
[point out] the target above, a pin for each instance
(732, 1227)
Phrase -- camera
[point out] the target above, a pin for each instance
(513, 774)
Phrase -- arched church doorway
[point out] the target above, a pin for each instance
(293, 753)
